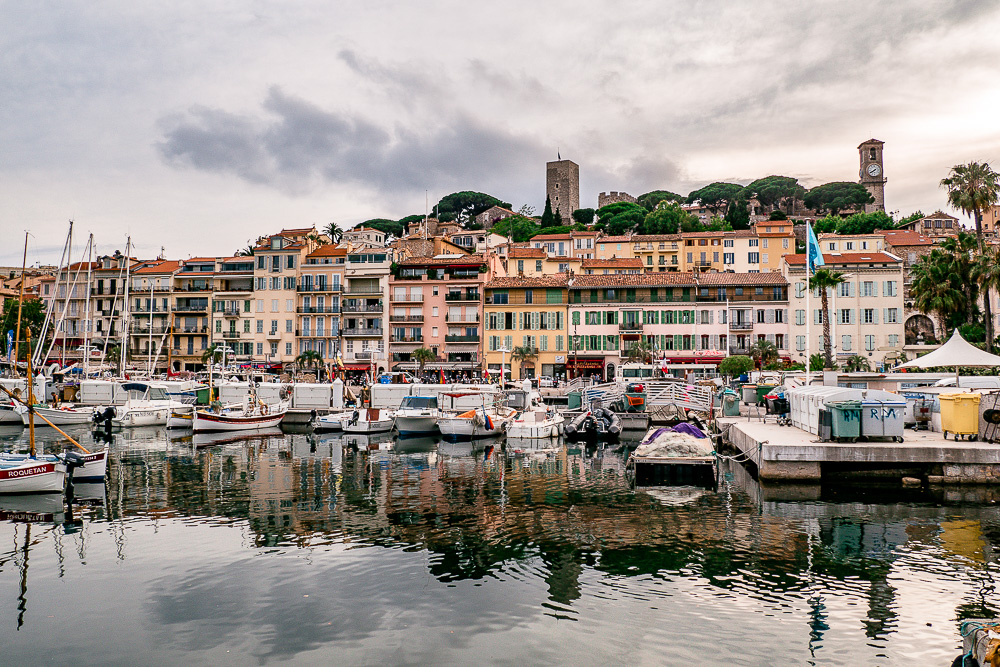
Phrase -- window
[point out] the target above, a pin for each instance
(784, 243)
(800, 289)
(779, 341)
(763, 243)
(290, 263)
(576, 317)
(867, 288)
(260, 349)
(260, 305)
(845, 343)
(779, 316)
(728, 257)
(891, 315)
(559, 343)
(529, 296)
(761, 316)
(520, 266)
(538, 265)
(800, 343)
(800, 317)
(870, 343)
(753, 258)
(754, 243)
(274, 305)
(727, 243)
(845, 315)
(274, 326)
(889, 288)
(288, 326)
(260, 326)
(893, 340)
(845, 289)
(833, 246)
(288, 346)
(849, 245)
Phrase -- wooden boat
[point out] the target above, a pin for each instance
(669, 458)
(331, 422)
(9, 415)
(94, 465)
(181, 417)
(367, 420)
(61, 416)
(256, 419)
(32, 476)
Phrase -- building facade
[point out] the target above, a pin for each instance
(527, 313)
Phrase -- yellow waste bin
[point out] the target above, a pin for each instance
(960, 415)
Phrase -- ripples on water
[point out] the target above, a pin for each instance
(295, 548)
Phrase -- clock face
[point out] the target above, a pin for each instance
(874, 170)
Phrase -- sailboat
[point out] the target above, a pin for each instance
(253, 415)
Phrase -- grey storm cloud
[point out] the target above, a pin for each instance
(295, 144)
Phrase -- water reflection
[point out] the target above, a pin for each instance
(314, 539)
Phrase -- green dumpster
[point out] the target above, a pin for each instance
(846, 419)
(574, 400)
(730, 403)
(762, 391)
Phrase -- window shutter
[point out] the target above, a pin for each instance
(711, 317)
(816, 316)
(885, 315)
(769, 316)
(770, 338)
(875, 314)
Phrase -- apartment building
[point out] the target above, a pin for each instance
(150, 344)
(692, 320)
(277, 259)
(530, 262)
(936, 225)
(526, 312)
(607, 247)
(321, 281)
(578, 245)
(233, 319)
(611, 266)
(874, 242)
(108, 292)
(437, 303)
(866, 310)
(69, 294)
(657, 252)
(363, 331)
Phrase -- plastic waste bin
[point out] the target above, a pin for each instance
(574, 400)
(750, 394)
(884, 419)
(730, 403)
(846, 419)
(960, 415)
(825, 425)
(763, 390)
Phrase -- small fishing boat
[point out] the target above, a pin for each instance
(32, 476)
(255, 419)
(478, 423)
(181, 417)
(93, 466)
(9, 415)
(65, 415)
(331, 422)
(535, 420)
(367, 420)
(417, 415)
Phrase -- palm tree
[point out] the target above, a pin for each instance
(334, 232)
(945, 282)
(246, 252)
(422, 355)
(973, 188)
(309, 358)
(986, 272)
(211, 354)
(857, 363)
(824, 280)
(764, 353)
(523, 354)
(641, 351)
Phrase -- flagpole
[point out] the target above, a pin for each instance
(808, 320)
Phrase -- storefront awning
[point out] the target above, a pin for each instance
(357, 367)
(586, 364)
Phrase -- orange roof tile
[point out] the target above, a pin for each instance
(161, 268)
(612, 263)
(632, 280)
(848, 258)
(906, 237)
(328, 251)
(754, 279)
(528, 253)
(515, 282)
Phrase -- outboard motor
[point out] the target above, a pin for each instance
(73, 460)
(354, 417)
(102, 418)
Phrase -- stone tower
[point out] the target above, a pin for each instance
(872, 173)
(562, 185)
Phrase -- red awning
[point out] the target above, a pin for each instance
(585, 364)
(357, 367)
(693, 360)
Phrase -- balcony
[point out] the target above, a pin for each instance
(472, 318)
(406, 318)
(190, 330)
(234, 335)
(462, 296)
(365, 355)
(273, 334)
(194, 288)
(190, 308)
(407, 298)
(630, 326)
(745, 351)
(231, 312)
(361, 307)
(317, 310)
(407, 340)
(741, 326)
(148, 331)
(362, 331)
(461, 339)
(363, 291)
(323, 287)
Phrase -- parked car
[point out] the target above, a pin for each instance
(546, 381)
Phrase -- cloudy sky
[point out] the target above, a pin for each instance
(198, 126)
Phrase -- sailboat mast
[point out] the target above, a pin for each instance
(20, 305)
(125, 318)
(31, 403)
(51, 307)
(87, 324)
(149, 345)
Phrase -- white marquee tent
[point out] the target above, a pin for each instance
(956, 352)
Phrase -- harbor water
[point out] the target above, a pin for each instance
(304, 549)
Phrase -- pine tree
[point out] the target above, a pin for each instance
(548, 220)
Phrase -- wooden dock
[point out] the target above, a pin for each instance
(786, 453)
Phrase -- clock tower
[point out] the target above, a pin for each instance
(872, 174)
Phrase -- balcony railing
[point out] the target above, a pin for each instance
(320, 310)
(741, 326)
(461, 319)
(155, 331)
(739, 350)
(332, 287)
(190, 330)
(407, 298)
(461, 339)
(229, 312)
(462, 296)
(363, 291)
(193, 288)
(361, 308)
(362, 331)
(406, 318)
(235, 335)
(190, 308)
(407, 339)
(630, 326)
(273, 333)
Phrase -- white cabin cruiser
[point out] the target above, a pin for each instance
(535, 420)
(417, 415)
(146, 405)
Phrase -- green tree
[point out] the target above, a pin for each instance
(817, 363)
(519, 228)
(209, 356)
(857, 364)
(557, 220)
(777, 214)
(620, 217)
(246, 252)
(825, 280)
(764, 353)
(651, 200)
(937, 290)
(32, 318)
(827, 225)
(463, 206)
(735, 365)
(838, 196)
(668, 218)
(310, 358)
(584, 216)
(865, 223)
(986, 272)
(641, 351)
(334, 232)
(548, 219)
(973, 188)
(716, 196)
(773, 190)
(423, 356)
(916, 215)
(523, 355)
(390, 227)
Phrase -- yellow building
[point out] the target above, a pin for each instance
(523, 312)
(658, 252)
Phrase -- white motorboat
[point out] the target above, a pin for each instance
(32, 476)
(367, 420)
(331, 422)
(94, 465)
(477, 423)
(9, 414)
(65, 415)
(146, 405)
(536, 420)
(417, 415)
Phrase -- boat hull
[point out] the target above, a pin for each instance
(416, 425)
(205, 422)
(366, 427)
(94, 468)
(548, 428)
(60, 417)
(181, 418)
(9, 416)
(33, 477)
(461, 428)
(141, 417)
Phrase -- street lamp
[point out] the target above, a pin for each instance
(503, 363)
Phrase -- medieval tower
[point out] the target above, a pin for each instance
(872, 173)
(562, 186)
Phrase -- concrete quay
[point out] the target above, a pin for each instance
(789, 454)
